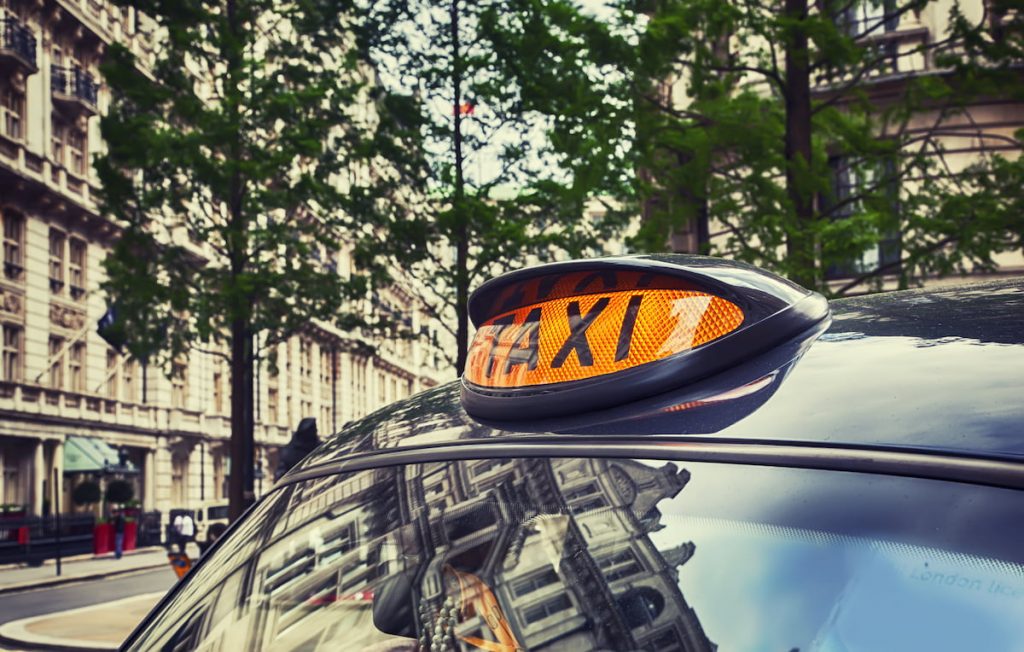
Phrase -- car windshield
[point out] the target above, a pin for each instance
(624, 554)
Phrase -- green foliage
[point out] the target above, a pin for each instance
(541, 142)
(722, 146)
(86, 493)
(237, 167)
(120, 491)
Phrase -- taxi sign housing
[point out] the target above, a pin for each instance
(569, 337)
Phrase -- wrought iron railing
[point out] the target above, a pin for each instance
(74, 82)
(18, 38)
(32, 539)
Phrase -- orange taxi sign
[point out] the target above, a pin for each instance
(578, 337)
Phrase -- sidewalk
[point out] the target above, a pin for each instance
(93, 628)
(82, 567)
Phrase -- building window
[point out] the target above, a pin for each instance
(179, 479)
(273, 403)
(12, 111)
(663, 641)
(12, 336)
(69, 147)
(57, 141)
(305, 380)
(869, 17)
(220, 482)
(76, 367)
(130, 372)
(76, 267)
(640, 607)
(326, 389)
(218, 392)
(487, 466)
(13, 489)
(589, 505)
(547, 608)
(619, 565)
(535, 582)
(854, 183)
(112, 362)
(306, 365)
(359, 383)
(14, 244)
(57, 240)
(179, 385)
(56, 360)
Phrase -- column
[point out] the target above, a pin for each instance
(161, 476)
(37, 477)
(148, 481)
(57, 476)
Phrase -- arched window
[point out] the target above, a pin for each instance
(641, 606)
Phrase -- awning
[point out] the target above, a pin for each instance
(93, 455)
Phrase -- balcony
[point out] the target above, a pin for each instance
(74, 90)
(17, 46)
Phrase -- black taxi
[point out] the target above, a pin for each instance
(656, 453)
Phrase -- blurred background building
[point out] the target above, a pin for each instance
(905, 45)
(72, 408)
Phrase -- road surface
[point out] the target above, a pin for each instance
(36, 602)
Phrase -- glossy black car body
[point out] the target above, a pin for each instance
(858, 487)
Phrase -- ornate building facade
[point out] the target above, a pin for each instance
(72, 407)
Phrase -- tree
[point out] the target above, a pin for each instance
(119, 491)
(86, 493)
(515, 107)
(237, 167)
(770, 121)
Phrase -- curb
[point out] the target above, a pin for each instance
(73, 559)
(16, 633)
(56, 581)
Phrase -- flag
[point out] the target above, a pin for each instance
(110, 330)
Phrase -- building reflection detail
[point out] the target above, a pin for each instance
(563, 544)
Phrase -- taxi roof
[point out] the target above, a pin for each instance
(935, 369)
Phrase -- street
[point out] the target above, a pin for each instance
(37, 602)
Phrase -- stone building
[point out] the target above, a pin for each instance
(904, 46)
(71, 407)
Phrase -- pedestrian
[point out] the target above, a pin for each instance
(118, 535)
(184, 530)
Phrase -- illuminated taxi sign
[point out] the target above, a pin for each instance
(579, 337)
(588, 335)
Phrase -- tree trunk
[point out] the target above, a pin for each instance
(800, 242)
(461, 226)
(240, 489)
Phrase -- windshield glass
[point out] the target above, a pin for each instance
(584, 554)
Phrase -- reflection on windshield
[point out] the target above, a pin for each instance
(490, 554)
(580, 554)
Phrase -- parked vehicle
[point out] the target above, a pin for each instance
(659, 453)
(211, 519)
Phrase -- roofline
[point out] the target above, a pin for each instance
(995, 471)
